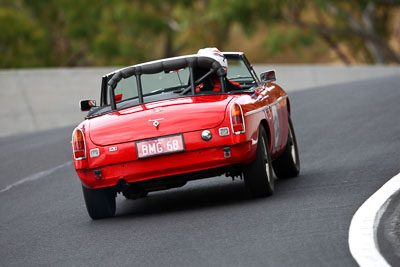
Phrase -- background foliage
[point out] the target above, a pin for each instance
(37, 33)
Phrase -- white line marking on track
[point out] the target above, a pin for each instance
(362, 232)
(36, 176)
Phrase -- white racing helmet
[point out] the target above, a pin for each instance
(214, 53)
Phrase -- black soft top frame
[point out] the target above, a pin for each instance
(165, 65)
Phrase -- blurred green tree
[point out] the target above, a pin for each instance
(121, 32)
(22, 40)
(359, 28)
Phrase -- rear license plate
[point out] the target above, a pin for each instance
(159, 146)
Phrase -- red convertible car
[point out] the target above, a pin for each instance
(163, 123)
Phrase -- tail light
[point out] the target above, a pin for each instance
(78, 144)
(237, 119)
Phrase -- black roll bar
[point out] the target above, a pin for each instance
(192, 80)
(139, 88)
(112, 97)
(222, 82)
(164, 65)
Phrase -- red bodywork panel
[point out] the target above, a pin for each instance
(175, 116)
(115, 134)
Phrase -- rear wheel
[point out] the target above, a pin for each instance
(100, 203)
(258, 176)
(288, 164)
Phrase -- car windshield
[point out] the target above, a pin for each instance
(237, 70)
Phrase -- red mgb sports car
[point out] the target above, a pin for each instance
(163, 123)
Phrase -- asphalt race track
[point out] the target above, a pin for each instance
(349, 147)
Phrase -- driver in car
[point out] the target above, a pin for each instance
(215, 83)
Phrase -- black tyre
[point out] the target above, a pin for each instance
(288, 164)
(258, 176)
(100, 203)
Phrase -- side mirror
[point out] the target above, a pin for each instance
(268, 76)
(86, 105)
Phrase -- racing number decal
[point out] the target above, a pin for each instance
(275, 120)
(276, 123)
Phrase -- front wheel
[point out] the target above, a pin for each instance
(100, 203)
(258, 176)
(288, 163)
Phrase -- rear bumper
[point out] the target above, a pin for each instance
(167, 165)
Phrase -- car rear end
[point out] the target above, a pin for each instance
(105, 155)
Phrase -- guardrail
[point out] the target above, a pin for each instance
(40, 99)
